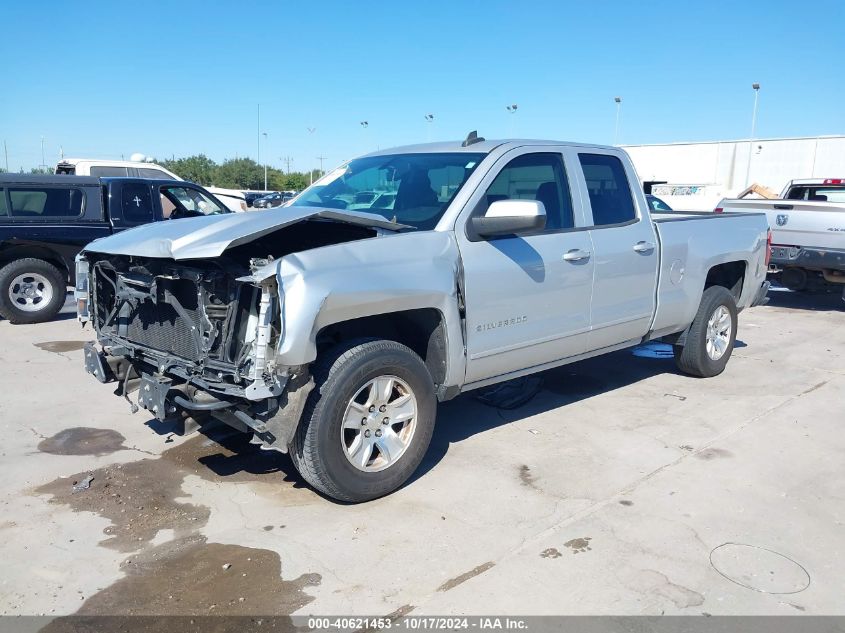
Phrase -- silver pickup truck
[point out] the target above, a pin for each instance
(808, 232)
(332, 334)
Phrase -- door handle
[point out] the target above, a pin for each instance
(643, 247)
(576, 255)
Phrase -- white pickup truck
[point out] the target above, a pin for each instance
(332, 333)
(808, 232)
(233, 199)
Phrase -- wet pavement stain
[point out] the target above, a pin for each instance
(709, 454)
(551, 552)
(60, 347)
(186, 575)
(579, 545)
(83, 440)
(526, 477)
(193, 577)
(139, 497)
(472, 573)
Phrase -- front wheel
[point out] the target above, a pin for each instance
(367, 423)
(711, 337)
(31, 291)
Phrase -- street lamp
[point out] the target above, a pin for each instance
(429, 118)
(265, 164)
(756, 88)
(512, 109)
(618, 101)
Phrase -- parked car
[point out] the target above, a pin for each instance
(46, 220)
(232, 198)
(252, 196)
(332, 334)
(808, 232)
(656, 204)
(270, 200)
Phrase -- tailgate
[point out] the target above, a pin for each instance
(798, 223)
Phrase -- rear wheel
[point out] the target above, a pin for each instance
(31, 291)
(368, 421)
(711, 337)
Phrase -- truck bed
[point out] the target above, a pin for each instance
(687, 252)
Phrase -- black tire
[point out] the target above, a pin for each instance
(51, 277)
(693, 358)
(317, 449)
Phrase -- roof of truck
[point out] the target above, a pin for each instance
(484, 146)
(48, 179)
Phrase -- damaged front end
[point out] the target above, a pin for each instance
(194, 338)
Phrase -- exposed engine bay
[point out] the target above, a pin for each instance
(200, 335)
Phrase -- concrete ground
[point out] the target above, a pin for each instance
(621, 488)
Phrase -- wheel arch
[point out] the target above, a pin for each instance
(423, 330)
(13, 253)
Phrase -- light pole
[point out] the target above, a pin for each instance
(618, 101)
(265, 164)
(43, 164)
(311, 131)
(429, 118)
(321, 159)
(258, 133)
(512, 109)
(756, 88)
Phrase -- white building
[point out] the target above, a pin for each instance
(698, 175)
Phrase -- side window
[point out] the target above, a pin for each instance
(150, 172)
(105, 171)
(45, 202)
(540, 177)
(136, 204)
(610, 194)
(4, 211)
(187, 202)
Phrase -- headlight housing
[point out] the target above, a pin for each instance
(80, 291)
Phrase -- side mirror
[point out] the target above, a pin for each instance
(510, 217)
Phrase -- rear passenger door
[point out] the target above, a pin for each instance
(131, 204)
(625, 248)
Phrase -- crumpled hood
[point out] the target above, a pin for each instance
(209, 236)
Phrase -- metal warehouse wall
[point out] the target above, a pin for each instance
(715, 170)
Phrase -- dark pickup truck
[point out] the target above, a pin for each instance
(46, 220)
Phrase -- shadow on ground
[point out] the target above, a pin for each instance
(820, 302)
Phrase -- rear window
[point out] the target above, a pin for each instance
(105, 171)
(826, 193)
(149, 172)
(44, 202)
(610, 194)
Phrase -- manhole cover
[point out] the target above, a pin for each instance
(759, 568)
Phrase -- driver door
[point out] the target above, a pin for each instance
(527, 296)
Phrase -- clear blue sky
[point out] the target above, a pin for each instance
(103, 79)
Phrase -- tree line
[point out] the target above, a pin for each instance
(237, 173)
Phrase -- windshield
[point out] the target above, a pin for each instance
(412, 189)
